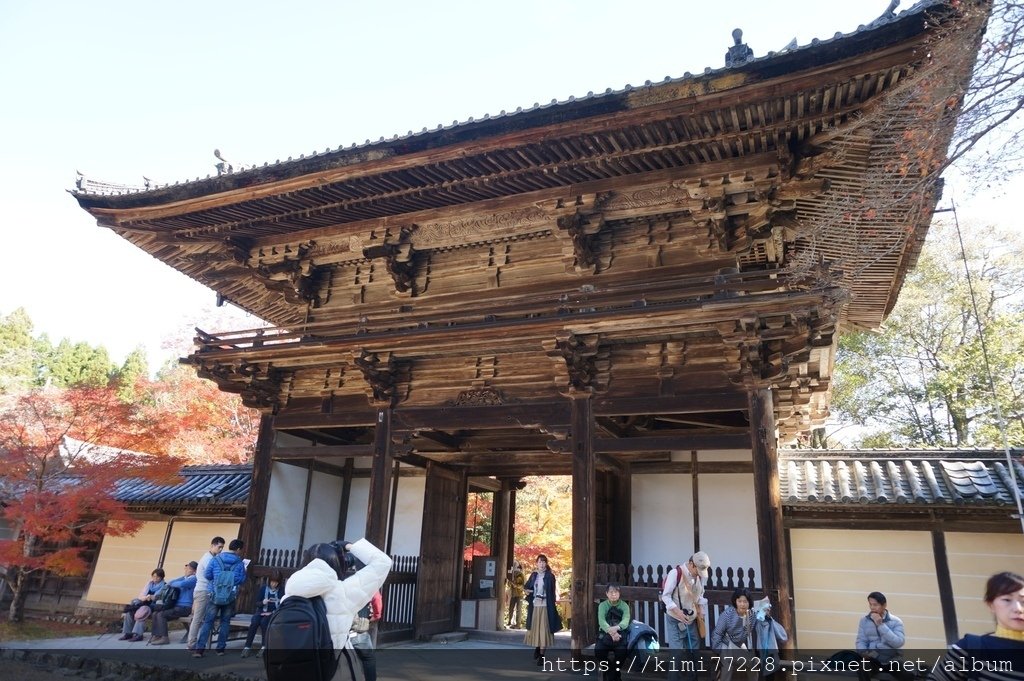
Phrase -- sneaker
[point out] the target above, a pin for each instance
(259, 653)
(246, 652)
(135, 638)
(197, 653)
(159, 641)
(220, 653)
(124, 637)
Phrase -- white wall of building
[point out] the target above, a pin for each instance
(405, 536)
(359, 497)
(283, 521)
(662, 519)
(728, 522)
(662, 516)
(324, 506)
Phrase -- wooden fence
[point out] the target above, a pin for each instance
(640, 588)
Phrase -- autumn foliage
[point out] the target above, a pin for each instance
(57, 488)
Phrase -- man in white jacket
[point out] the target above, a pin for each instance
(321, 575)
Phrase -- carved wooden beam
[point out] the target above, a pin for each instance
(396, 249)
(585, 362)
(384, 376)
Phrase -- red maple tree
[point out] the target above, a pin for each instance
(57, 487)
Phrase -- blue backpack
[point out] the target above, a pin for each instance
(224, 588)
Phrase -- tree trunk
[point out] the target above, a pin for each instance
(18, 594)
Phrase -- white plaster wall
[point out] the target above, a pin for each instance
(359, 497)
(324, 505)
(662, 519)
(283, 521)
(405, 536)
(728, 521)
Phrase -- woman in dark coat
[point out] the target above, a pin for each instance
(541, 594)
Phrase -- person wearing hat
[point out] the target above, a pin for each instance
(186, 585)
(683, 596)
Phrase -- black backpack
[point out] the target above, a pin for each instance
(167, 598)
(298, 642)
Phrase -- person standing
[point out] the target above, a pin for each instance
(201, 592)
(361, 636)
(323, 574)
(683, 596)
(270, 595)
(227, 561)
(516, 583)
(879, 639)
(186, 585)
(768, 634)
(998, 656)
(542, 620)
(613, 622)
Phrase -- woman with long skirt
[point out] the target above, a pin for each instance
(542, 620)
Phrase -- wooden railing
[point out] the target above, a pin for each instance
(640, 588)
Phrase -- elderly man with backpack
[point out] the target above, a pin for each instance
(224, 574)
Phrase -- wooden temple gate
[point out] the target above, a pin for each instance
(604, 287)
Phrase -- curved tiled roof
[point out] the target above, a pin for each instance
(923, 477)
(88, 187)
(226, 485)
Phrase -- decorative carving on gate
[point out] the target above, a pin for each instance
(399, 258)
(480, 397)
(582, 230)
(384, 375)
(586, 362)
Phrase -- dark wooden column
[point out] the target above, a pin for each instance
(584, 481)
(259, 488)
(346, 498)
(499, 545)
(770, 535)
(379, 504)
(945, 583)
(621, 548)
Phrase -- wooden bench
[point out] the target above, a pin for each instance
(238, 630)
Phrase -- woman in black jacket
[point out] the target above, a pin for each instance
(541, 594)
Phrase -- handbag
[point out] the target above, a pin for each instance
(702, 628)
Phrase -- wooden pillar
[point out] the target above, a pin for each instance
(346, 498)
(945, 582)
(768, 499)
(379, 504)
(695, 491)
(621, 548)
(584, 481)
(499, 547)
(259, 488)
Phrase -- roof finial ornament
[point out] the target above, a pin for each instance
(223, 167)
(740, 52)
(79, 179)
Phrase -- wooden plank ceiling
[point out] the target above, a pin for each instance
(687, 238)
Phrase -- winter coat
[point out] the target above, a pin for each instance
(186, 585)
(551, 596)
(342, 598)
(884, 639)
(231, 561)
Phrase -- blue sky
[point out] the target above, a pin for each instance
(123, 89)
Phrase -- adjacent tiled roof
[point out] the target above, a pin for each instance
(226, 485)
(823, 49)
(923, 477)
